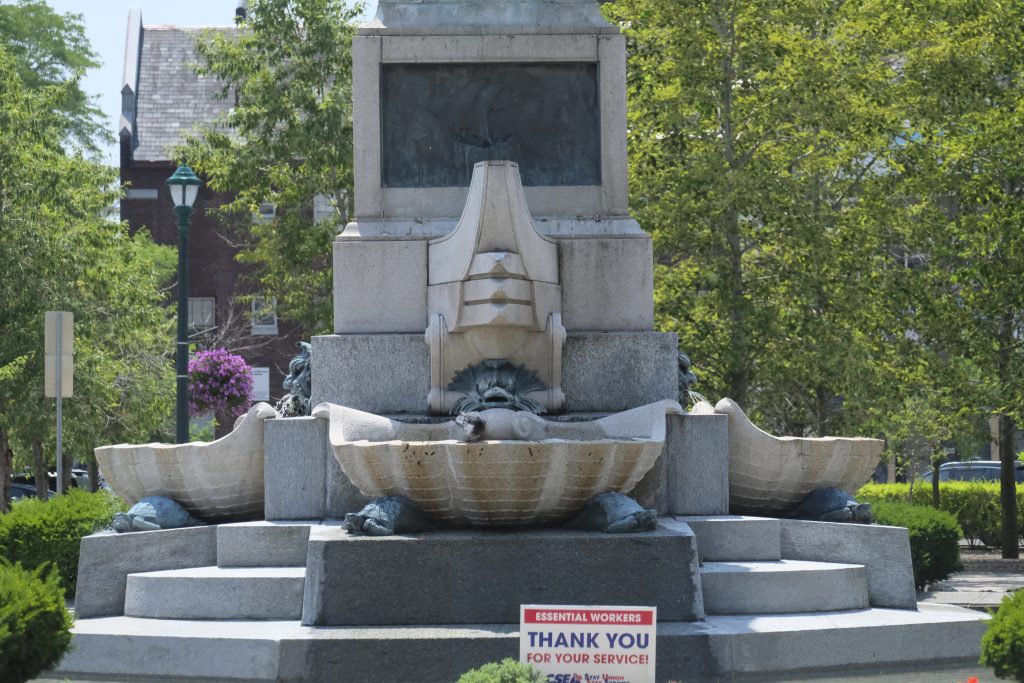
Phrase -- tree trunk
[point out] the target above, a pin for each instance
(6, 465)
(66, 472)
(936, 496)
(42, 475)
(1008, 487)
(94, 475)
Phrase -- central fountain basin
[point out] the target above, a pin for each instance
(497, 482)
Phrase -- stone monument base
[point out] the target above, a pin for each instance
(762, 603)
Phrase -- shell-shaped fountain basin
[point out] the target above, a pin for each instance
(545, 477)
(769, 475)
(216, 481)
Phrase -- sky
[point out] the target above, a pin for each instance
(106, 22)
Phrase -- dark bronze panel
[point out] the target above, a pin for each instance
(438, 120)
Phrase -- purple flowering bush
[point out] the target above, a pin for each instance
(219, 382)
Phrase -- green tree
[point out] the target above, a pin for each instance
(757, 133)
(50, 49)
(59, 252)
(963, 163)
(287, 141)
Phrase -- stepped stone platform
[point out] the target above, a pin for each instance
(743, 607)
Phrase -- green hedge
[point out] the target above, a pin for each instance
(1002, 647)
(35, 532)
(35, 627)
(508, 671)
(934, 536)
(975, 504)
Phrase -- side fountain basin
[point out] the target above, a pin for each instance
(769, 475)
(217, 481)
(497, 482)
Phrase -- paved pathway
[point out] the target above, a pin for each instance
(987, 579)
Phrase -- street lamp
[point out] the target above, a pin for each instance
(184, 186)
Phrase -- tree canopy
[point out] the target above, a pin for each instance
(49, 48)
(830, 190)
(287, 143)
(59, 251)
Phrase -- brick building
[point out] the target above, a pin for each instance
(163, 99)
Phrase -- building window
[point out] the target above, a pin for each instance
(140, 193)
(268, 211)
(264, 315)
(202, 312)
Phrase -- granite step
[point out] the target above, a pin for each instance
(782, 586)
(720, 648)
(722, 538)
(263, 544)
(216, 593)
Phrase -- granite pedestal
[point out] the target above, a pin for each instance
(453, 577)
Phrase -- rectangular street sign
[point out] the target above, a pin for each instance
(59, 348)
(589, 643)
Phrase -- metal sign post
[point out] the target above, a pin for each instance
(59, 373)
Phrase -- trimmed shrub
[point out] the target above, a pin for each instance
(976, 504)
(934, 550)
(508, 671)
(1002, 647)
(35, 532)
(35, 626)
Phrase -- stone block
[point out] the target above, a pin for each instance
(263, 544)
(295, 468)
(782, 586)
(250, 593)
(380, 286)
(106, 559)
(612, 371)
(449, 577)
(697, 464)
(607, 283)
(390, 373)
(883, 550)
(378, 373)
(732, 537)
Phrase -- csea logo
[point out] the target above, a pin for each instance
(564, 678)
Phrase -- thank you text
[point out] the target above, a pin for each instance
(589, 644)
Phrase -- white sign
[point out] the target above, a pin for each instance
(589, 644)
(260, 384)
(59, 353)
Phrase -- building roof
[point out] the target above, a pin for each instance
(163, 97)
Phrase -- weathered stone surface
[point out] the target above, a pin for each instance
(608, 371)
(378, 373)
(106, 560)
(883, 550)
(607, 283)
(782, 586)
(390, 373)
(732, 537)
(252, 593)
(454, 37)
(719, 648)
(217, 481)
(697, 464)
(263, 544)
(295, 468)
(499, 480)
(769, 474)
(457, 572)
(380, 286)
(494, 291)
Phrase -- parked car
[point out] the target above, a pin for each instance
(973, 470)
(19, 491)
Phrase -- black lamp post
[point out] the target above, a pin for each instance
(184, 186)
